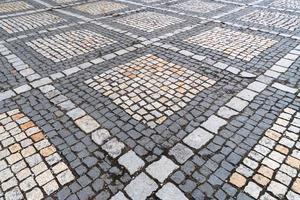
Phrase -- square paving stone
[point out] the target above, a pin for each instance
(162, 168)
(198, 138)
(87, 124)
(170, 192)
(113, 147)
(141, 187)
(181, 153)
(149, 88)
(131, 162)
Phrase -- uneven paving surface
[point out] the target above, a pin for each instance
(149, 99)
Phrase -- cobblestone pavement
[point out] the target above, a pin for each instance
(149, 99)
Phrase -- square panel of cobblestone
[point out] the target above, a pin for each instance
(282, 4)
(286, 22)
(234, 43)
(28, 159)
(69, 44)
(102, 8)
(231, 46)
(150, 88)
(62, 2)
(152, 2)
(149, 23)
(201, 8)
(31, 23)
(13, 7)
(143, 99)
(55, 51)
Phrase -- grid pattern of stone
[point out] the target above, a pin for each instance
(274, 19)
(14, 6)
(149, 88)
(150, 1)
(198, 6)
(28, 22)
(234, 43)
(273, 162)
(64, 1)
(29, 165)
(102, 7)
(148, 21)
(290, 4)
(69, 44)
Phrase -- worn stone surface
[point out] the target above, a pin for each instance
(149, 99)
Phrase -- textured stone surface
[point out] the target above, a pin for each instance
(149, 99)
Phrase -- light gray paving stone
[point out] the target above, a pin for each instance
(285, 62)
(35, 194)
(233, 70)
(14, 194)
(181, 153)
(253, 189)
(226, 112)
(265, 79)
(6, 95)
(284, 88)
(87, 124)
(56, 75)
(170, 192)
(198, 138)
(198, 57)
(257, 86)
(41, 82)
(65, 177)
(247, 75)
(67, 105)
(86, 64)
(277, 189)
(213, 123)
(186, 53)
(100, 136)
(220, 65)
(278, 68)
(76, 113)
(113, 147)
(292, 196)
(46, 88)
(70, 71)
(237, 104)
(247, 95)
(97, 61)
(22, 89)
(162, 168)
(119, 196)
(272, 73)
(141, 187)
(131, 162)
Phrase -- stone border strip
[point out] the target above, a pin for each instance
(212, 125)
